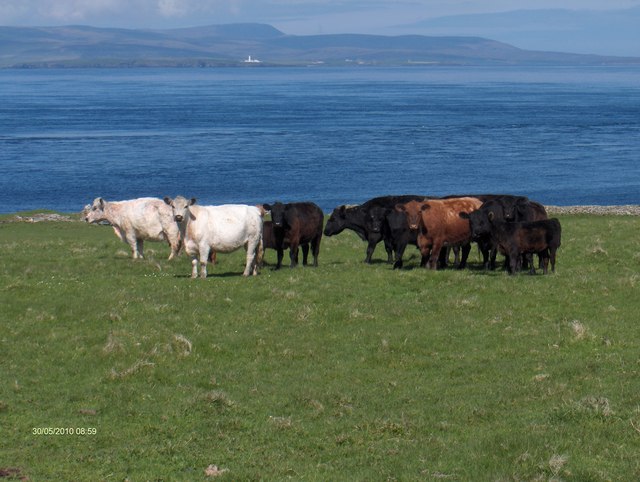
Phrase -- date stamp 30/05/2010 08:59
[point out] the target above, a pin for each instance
(64, 431)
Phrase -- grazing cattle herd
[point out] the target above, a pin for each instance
(513, 226)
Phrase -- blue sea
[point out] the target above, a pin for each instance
(333, 136)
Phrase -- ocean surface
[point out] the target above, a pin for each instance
(333, 136)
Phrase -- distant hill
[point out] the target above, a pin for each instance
(601, 32)
(230, 45)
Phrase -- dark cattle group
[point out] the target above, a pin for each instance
(513, 226)
(375, 221)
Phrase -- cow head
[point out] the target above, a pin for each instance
(413, 211)
(180, 207)
(337, 221)
(479, 222)
(511, 207)
(375, 218)
(94, 213)
(277, 213)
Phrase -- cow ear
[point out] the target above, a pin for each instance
(101, 201)
(424, 207)
(464, 215)
(167, 200)
(267, 207)
(491, 216)
(192, 201)
(400, 208)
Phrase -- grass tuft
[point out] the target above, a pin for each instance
(132, 370)
(181, 345)
(219, 399)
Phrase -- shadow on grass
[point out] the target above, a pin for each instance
(228, 274)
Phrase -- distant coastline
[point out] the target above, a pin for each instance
(230, 46)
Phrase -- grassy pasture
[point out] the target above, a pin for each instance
(341, 372)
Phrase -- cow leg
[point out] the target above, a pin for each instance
(259, 258)
(485, 252)
(466, 249)
(399, 253)
(552, 258)
(133, 244)
(370, 248)
(204, 258)
(194, 267)
(443, 258)
(436, 249)
(507, 263)
(305, 253)
(175, 248)
(519, 258)
(492, 260)
(140, 248)
(425, 255)
(425, 251)
(315, 249)
(280, 256)
(513, 258)
(172, 235)
(424, 259)
(388, 247)
(293, 254)
(524, 260)
(252, 251)
(485, 257)
(541, 258)
(528, 258)
(544, 261)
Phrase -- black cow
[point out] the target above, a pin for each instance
(518, 239)
(371, 222)
(269, 240)
(505, 208)
(299, 224)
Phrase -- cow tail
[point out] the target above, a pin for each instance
(260, 254)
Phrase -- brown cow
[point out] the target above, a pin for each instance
(439, 225)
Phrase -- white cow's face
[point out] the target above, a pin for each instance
(180, 207)
(95, 212)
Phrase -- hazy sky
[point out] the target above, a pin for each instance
(300, 17)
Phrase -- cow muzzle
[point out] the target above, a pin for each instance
(413, 227)
(178, 218)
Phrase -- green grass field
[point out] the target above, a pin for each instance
(114, 369)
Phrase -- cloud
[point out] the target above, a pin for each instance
(73, 10)
(172, 8)
(306, 16)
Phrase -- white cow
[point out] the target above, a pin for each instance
(222, 229)
(135, 220)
